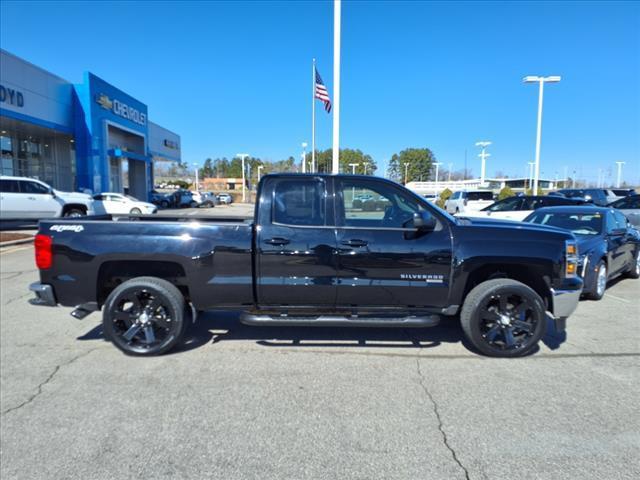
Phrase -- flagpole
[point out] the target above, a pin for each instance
(313, 115)
(336, 87)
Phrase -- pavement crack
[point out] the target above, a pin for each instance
(445, 438)
(16, 299)
(46, 381)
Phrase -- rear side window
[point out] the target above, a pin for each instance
(299, 202)
(9, 186)
(33, 188)
(474, 196)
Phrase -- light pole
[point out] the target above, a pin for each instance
(531, 164)
(450, 168)
(483, 156)
(242, 157)
(195, 165)
(406, 167)
(260, 167)
(619, 173)
(541, 81)
(304, 157)
(437, 164)
(353, 168)
(366, 166)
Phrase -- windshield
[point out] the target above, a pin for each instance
(578, 223)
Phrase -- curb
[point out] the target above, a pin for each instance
(11, 243)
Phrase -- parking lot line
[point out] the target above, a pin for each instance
(14, 249)
(617, 298)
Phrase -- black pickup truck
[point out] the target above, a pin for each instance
(322, 250)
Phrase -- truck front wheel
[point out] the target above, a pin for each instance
(145, 316)
(503, 318)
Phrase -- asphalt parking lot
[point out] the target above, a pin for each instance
(240, 402)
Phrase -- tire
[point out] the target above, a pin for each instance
(503, 318)
(126, 320)
(164, 204)
(634, 271)
(135, 211)
(597, 288)
(74, 213)
(193, 205)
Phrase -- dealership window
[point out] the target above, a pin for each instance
(32, 151)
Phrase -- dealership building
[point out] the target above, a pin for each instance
(77, 136)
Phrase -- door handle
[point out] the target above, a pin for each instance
(354, 242)
(31, 198)
(277, 241)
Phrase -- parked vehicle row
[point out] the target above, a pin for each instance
(23, 198)
(189, 199)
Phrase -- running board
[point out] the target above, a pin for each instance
(339, 321)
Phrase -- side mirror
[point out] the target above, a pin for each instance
(53, 193)
(616, 232)
(424, 221)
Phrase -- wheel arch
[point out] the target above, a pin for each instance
(533, 276)
(114, 272)
(71, 206)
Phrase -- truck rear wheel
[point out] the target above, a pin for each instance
(503, 318)
(145, 316)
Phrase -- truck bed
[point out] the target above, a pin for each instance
(209, 258)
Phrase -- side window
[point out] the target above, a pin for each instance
(455, 196)
(99, 197)
(9, 186)
(531, 204)
(612, 224)
(33, 188)
(505, 205)
(621, 220)
(374, 205)
(299, 202)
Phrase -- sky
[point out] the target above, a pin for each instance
(236, 77)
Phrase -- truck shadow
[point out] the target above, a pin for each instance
(221, 326)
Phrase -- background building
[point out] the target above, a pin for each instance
(495, 184)
(90, 135)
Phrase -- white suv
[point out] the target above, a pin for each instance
(23, 198)
(466, 201)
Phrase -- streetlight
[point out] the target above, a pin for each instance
(531, 164)
(260, 167)
(437, 164)
(619, 173)
(195, 165)
(450, 168)
(242, 157)
(406, 166)
(366, 166)
(304, 157)
(353, 168)
(541, 81)
(483, 155)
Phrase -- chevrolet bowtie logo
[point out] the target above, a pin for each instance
(104, 101)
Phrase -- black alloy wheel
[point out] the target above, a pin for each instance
(503, 318)
(145, 316)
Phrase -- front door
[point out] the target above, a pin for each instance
(295, 244)
(39, 201)
(382, 260)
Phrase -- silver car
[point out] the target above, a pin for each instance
(630, 206)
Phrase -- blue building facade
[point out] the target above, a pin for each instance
(85, 136)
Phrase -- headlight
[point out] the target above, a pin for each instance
(571, 259)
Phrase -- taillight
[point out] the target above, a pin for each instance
(44, 254)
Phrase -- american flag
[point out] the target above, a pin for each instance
(322, 94)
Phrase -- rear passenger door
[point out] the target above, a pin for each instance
(296, 243)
